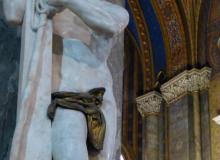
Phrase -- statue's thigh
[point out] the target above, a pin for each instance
(69, 134)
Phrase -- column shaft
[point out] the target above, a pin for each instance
(188, 82)
(151, 138)
(197, 125)
(149, 106)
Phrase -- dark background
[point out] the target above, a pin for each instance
(9, 66)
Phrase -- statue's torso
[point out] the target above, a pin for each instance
(77, 69)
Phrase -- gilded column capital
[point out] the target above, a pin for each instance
(187, 81)
(149, 103)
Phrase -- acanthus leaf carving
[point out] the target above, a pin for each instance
(188, 81)
(149, 103)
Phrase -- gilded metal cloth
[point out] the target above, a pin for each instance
(87, 103)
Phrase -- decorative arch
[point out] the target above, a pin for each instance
(202, 48)
(173, 35)
(133, 85)
(138, 78)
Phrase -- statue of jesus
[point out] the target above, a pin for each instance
(72, 73)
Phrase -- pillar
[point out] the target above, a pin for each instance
(186, 109)
(149, 106)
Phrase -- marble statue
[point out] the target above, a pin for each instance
(217, 120)
(78, 68)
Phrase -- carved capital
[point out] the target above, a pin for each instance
(187, 81)
(149, 103)
(204, 79)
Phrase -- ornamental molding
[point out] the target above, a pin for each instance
(149, 103)
(188, 81)
(144, 37)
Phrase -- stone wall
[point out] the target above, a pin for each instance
(214, 101)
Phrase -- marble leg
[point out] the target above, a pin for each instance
(69, 134)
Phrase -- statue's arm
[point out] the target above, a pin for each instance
(101, 16)
(14, 11)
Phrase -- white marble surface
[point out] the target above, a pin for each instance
(86, 66)
(80, 67)
(217, 120)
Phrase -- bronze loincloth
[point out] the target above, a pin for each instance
(87, 103)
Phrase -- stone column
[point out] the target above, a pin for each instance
(198, 81)
(184, 90)
(174, 93)
(149, 106)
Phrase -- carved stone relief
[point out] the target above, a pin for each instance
(187, 81)
(149, 103)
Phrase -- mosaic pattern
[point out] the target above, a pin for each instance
(144, 41)
(174, 35)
